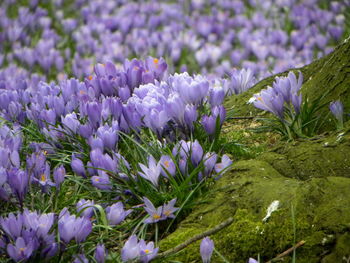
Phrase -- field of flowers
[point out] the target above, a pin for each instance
(111, 113)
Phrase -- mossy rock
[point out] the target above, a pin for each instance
(321, 207)
(322, 157)
(329, 75)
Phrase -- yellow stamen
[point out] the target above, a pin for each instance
(97, 179)
(146, 251)
(22, 249)
(156, 216)
(155, 61)
(45, 152)
(90, 77)
(166, 163)
(259, 98)
(82, 92)
(167, 213)
(43, 178)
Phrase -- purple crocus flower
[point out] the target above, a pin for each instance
(209, 124)
(108, 136)
(152, 172)
(101, 181)
(169, 209)
(225, 162)
(70, 226)
(168, 165)
(138, 250)
(71, 122)
(252, 260)
(209, 162)
(86, 207)
(59, 174)
(22, 250)
(183, 166)
(196, 153)
(18, 181)
(78, 166)
(41, 224)
(131, 249)
(241, 81)
(12, 225)
(116, 213)
(216, 96)
(206, 249)
(337, 109)
(155, 214)
(94, 112)
(80, 258)
(147, 251)
(270, 100)
(100, 253)
(190, 115)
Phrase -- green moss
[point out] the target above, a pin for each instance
(321, 209)
(328, 156)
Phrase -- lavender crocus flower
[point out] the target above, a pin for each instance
(196, 153)
(155, 214)
(80, 258)
(22, 250)
(241, 81)
(252, 260)
(206, 249)
(12, 225)
(169, 209)
(116, 213)
(337, 109)
(190, 115)
(209, 162)
(86, 207)
(225, 162)
(18, 181)
(78, 166)
(209, 124)
(59, 174)
(70, 226)
(71, 122)
(131, 249)
(100, 253)
(152, 172)
(108, 136)
(101, 181)
(138, 250)
(216, 96)
(168, 165)
(147, 251)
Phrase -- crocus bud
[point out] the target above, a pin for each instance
(206, 249)
(78, 166)
(197, 153)
(58, 175)
(100, 253)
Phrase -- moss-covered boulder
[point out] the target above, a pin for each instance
(321, 157)
(320, 207)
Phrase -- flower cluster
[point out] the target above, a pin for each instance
(135, 249)
(260, 35)
(285, 90)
